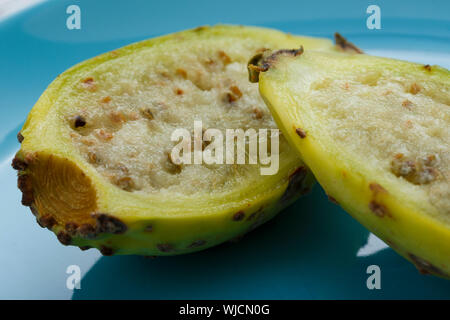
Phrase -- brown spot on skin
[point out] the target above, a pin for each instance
(391, 244)
(224, 57)
(230, 98)
(408, 124)
(47, 221)
(255, 214)
(235, 90)
(165, 75)
(430, 159)
(415, 170)
(403, 167)
(379, 209)
(103, 135)
(25, 185)
(106, 99)
(165, 247)
(289, 52)
(169, 157)
(376, 188)
(260, 219)
(296, 181)
(64, 238)
(117, 117)
(262, 50)
(79, 121)
(89, 84)
(332, 199)
(71, 228)
(179, 91)
(414, 88)
(425, 267)
(124, 183)
(407, 104)
(147, 113)
(234, 94)
(173, 167)
(201, 28)
(87, 231)
(133, 115)
(427, 67)
(106, 251)
(262, 61)
(181, 72)
(87, 141)
(238, 216)
(92, 157)
(84, 248)
(301, 133)
(20, 137)
(109, 224)
(345, 45)
(18, 164)
(209, 62)
(196, 244)
(257, 113)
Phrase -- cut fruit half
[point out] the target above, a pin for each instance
(95, 162)
(376, 134)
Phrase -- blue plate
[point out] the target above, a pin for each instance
(313, 250)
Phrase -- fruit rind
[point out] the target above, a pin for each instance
(155, 236)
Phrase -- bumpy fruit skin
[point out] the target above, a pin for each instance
(69, 197)
(403, 219)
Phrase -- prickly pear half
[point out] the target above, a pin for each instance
(94, 164)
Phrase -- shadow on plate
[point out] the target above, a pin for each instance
(309, 251)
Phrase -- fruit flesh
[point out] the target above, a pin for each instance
(128, 112)
(375, 133)
(93, 165)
